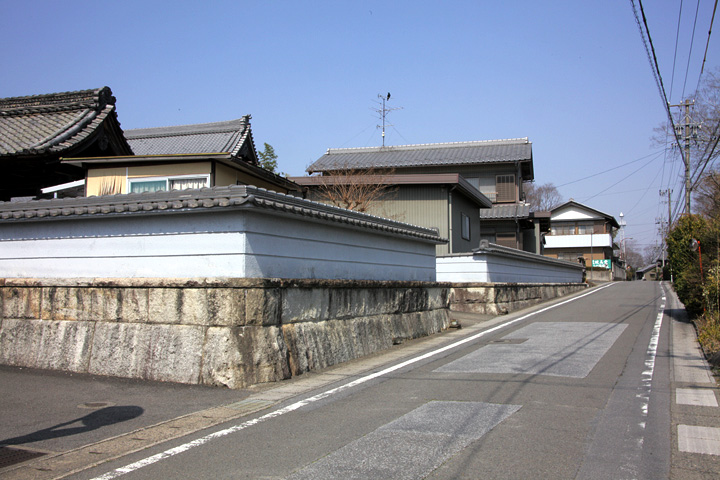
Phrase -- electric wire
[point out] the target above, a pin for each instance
(707, 44)
(611, 169)
(652, 57)
(677, 39)
(622, 179)
(692, 42)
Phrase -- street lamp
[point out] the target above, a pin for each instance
(622, 230)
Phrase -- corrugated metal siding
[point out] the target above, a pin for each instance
(425, 206)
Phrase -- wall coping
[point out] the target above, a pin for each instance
(215, 282)
(493, 249)
(234, 197)
(218, 282)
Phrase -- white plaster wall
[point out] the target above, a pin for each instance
(578, 241)
(573, 213)
(240, 243)
(486, 267)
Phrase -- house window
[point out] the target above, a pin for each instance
(506, 240)
(505, 187)
(156, 184)
(465, 226)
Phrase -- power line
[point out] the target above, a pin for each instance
(622, 180)
(692, 42)
(611, 169)
(652, 57)
(707, 44)
(677, 38)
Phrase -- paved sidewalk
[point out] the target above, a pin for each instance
(695, 411)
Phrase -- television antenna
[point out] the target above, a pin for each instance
(383, 113)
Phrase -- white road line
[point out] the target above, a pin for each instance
(236, 428)
(650, 355)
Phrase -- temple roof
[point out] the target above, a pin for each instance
(35, 131)
(56, 123)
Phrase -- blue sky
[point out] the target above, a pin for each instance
(572, 76)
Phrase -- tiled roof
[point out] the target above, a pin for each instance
(233, 137)
(215, 198)
(502, 211)
(54, 123)
(434, 154)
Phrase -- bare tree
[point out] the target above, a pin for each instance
(633, 257)
(354, 189)
(707, 195)
(542, 197)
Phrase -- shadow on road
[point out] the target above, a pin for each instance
(98, 419)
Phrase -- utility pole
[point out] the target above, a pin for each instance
(687, 130)
(383, 113)
(666, 231)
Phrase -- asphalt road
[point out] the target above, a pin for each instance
(581, 387)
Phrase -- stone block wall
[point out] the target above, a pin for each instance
(231, 332)
(502, 298)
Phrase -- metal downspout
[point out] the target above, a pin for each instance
(450, 229)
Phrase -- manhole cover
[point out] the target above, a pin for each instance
(96, 405)
(12, 456)
(509, 341)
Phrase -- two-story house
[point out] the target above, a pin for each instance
(579, 233)
(71, 144)
(181, 157)
(430, 180)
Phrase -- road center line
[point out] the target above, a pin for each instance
(282, 411)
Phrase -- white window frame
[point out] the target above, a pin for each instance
(167, 180)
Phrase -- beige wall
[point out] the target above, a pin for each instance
(225, 175)
(114, 180)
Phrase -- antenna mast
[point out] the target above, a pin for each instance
(383, 113)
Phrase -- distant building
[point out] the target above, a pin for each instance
(579, 233)
(495, 169)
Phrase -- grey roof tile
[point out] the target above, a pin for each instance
(52, 123)
(219, 137)
(434, 154)
(502, 211)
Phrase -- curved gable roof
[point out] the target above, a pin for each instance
(233, 137)
(58, 123)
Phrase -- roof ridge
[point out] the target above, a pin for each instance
(95, 98)
(419, 146)
(189, 129)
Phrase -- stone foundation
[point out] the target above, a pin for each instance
(502, 298)
(231, 332)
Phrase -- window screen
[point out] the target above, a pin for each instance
(505, 185)
(183, 183)
(148, 186)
